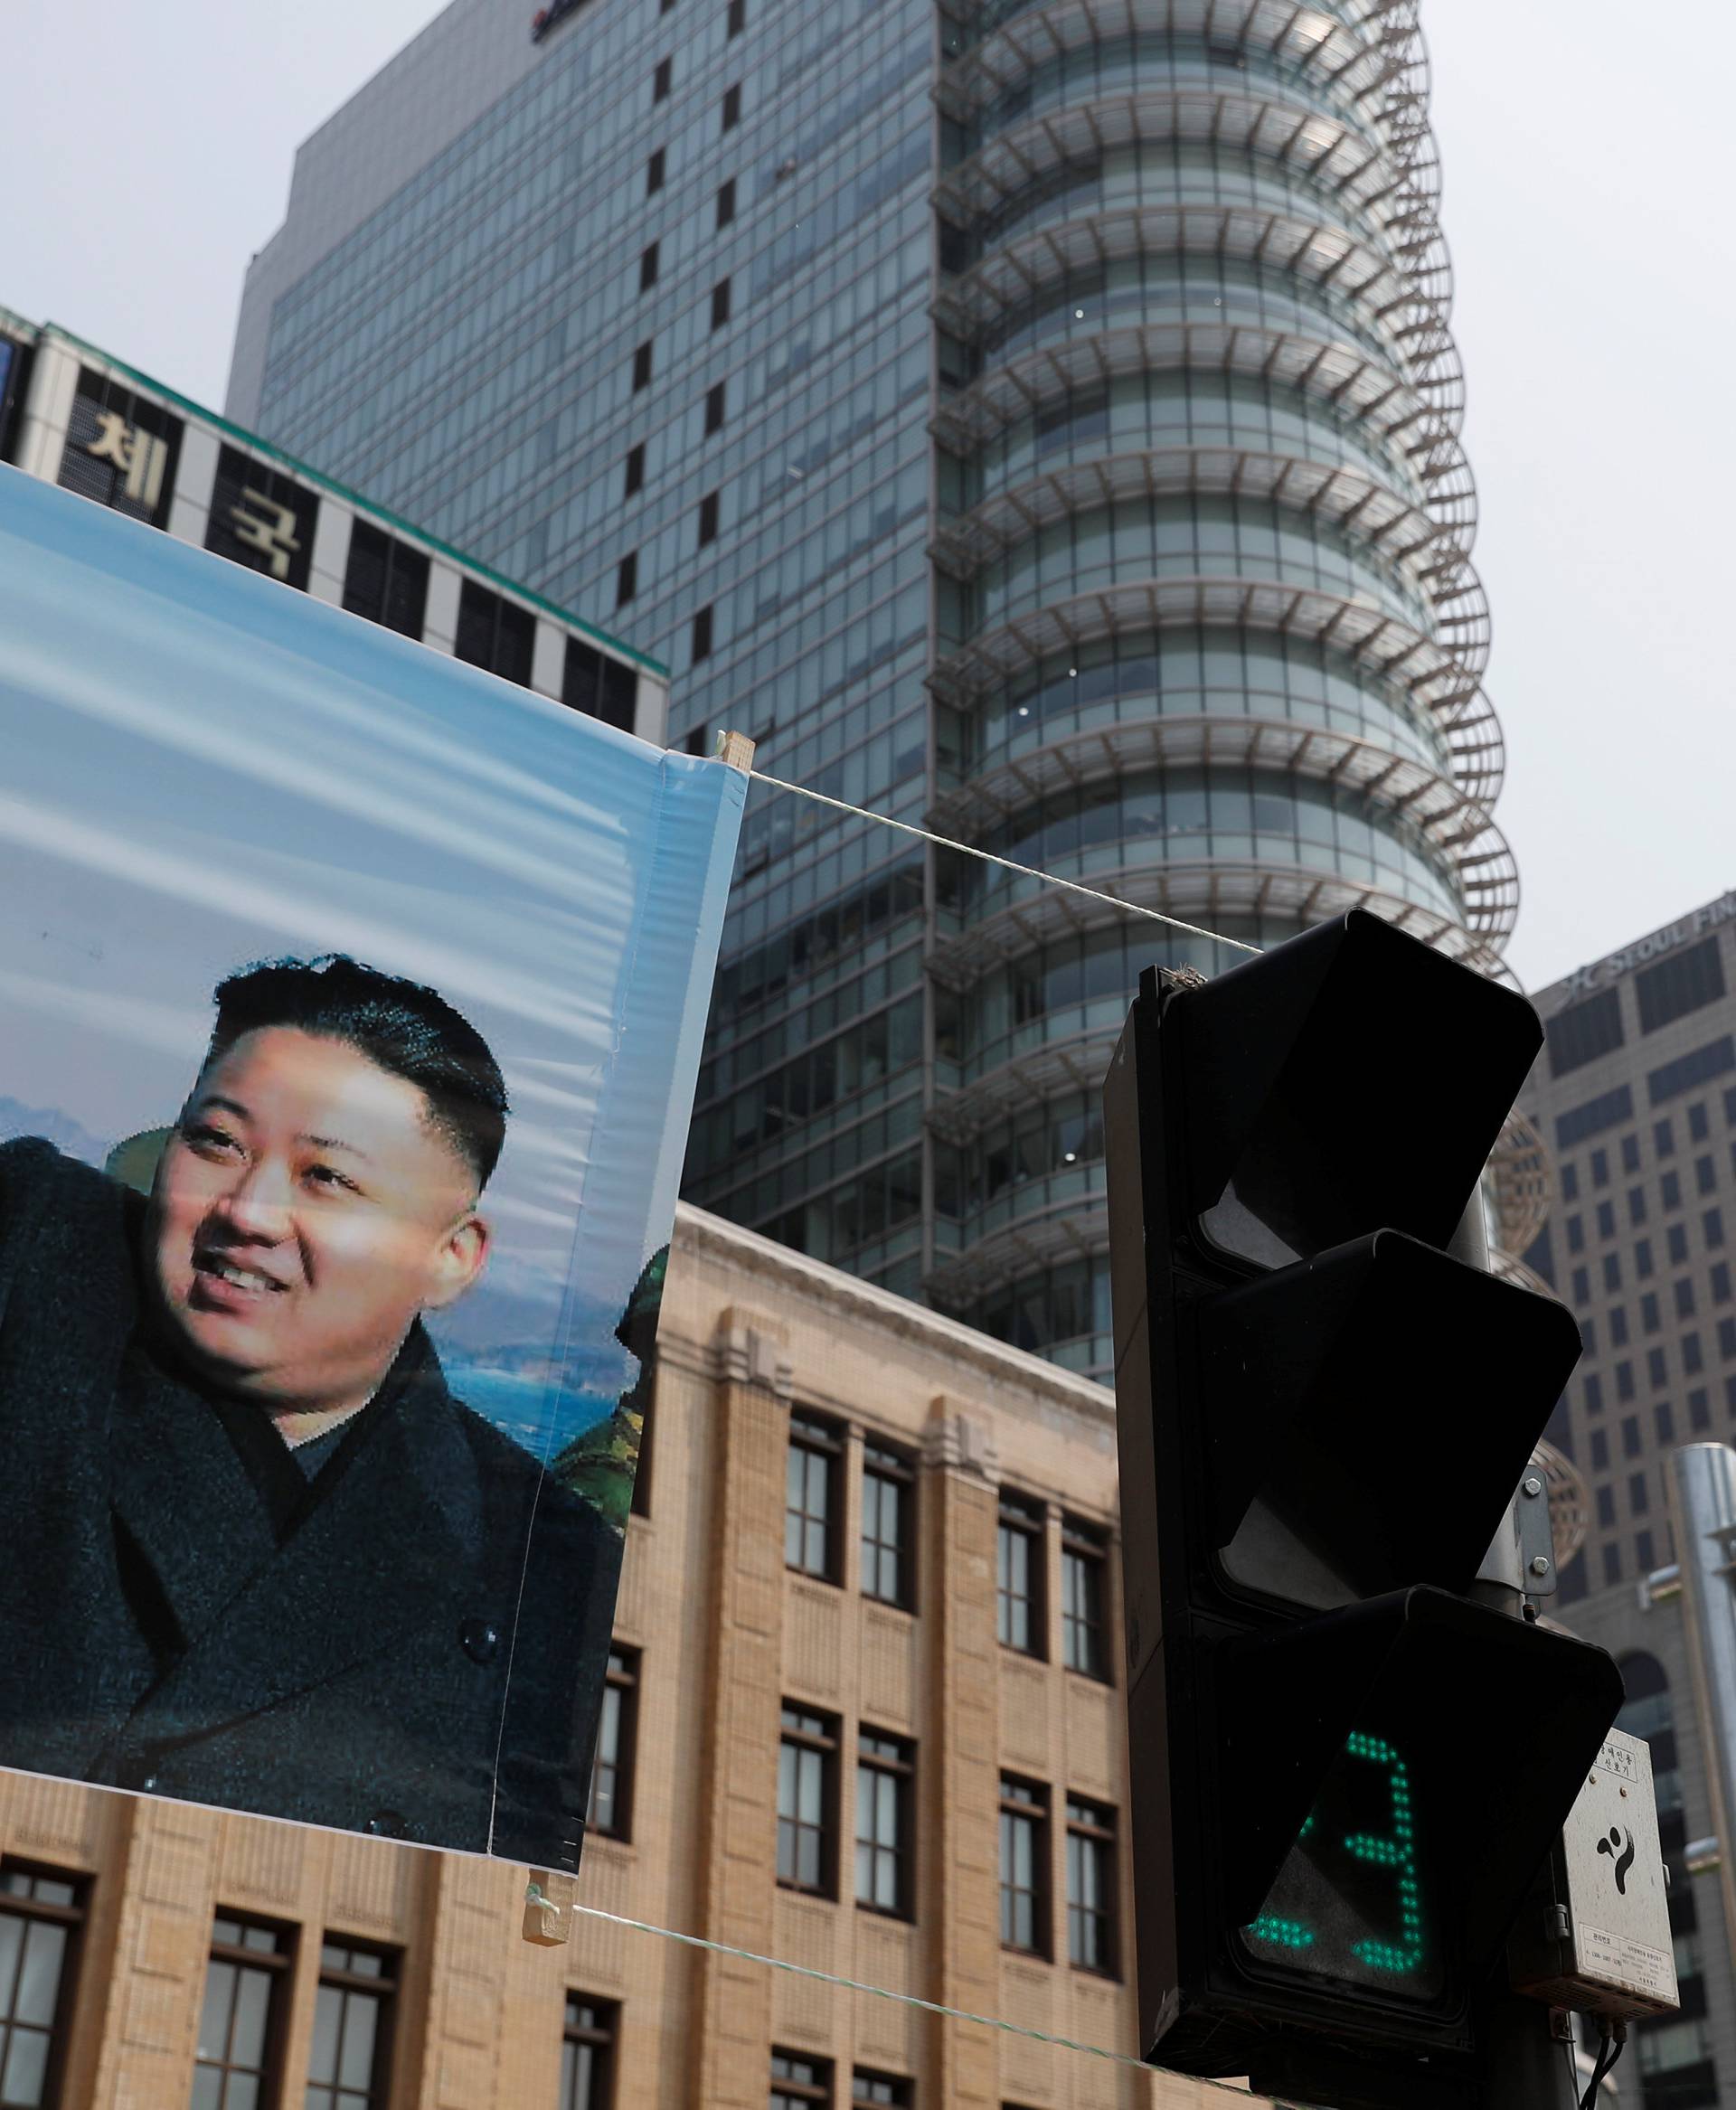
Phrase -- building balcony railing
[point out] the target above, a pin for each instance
(1395, 652)
(1201, 890)
(1338, 492)
(1455, 824)
(1408, 315)
(1395, 410)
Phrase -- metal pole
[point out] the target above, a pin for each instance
(1529, 2064)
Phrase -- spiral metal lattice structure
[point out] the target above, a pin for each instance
(1209, 634)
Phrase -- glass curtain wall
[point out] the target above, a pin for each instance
(1038, 422)
(1206, 632)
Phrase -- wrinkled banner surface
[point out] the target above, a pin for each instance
(350, 1013)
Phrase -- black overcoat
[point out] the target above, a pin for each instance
(157, 1631)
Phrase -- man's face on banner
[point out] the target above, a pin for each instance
(305, 1210)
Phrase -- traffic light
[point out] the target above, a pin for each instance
(1344, 1770)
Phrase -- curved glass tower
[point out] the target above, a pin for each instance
(1036, 415)
(1207, 634)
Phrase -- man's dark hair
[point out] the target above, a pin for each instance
(404, 1027)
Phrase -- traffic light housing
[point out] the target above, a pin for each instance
(1344, 1772)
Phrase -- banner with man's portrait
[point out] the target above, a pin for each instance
(351, 1003)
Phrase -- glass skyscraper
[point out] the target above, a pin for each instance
(1033, 419)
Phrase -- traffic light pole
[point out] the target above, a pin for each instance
(1530, 2065)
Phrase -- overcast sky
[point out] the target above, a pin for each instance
(143, 155)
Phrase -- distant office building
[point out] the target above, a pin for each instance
(1635, 1097)
(77, 417)
(1040, 421)
(1671, 1633)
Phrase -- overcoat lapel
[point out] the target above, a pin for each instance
(391, 1548)
(185, 1498)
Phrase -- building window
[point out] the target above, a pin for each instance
(1606, 1220)
(1693, 1360)
(1711, 1228)
(1575, 1234)
(238, 2055)
(1084, 1567)
(639, 1505)
(1686, 982)
(731, 108)
(642, 366)
(626, 579)
(1705, 1179)
(1593, 1393)
(1018, 1562)
(654, 169)
(1644, 1559)
(647, 266)
(1630, 1446)
(1699, 1122)
(348, 2064)
(1663, 1137)
(719, 304)
(634, 478)
(588, 2053)
(495, 633)
(610, 1808)
(1699, 1408)
(1683, 1291)
(1636, 1205)
(1665, 1422)
(1611, 1561)
(715, 401)
(1091, 1885)
(385, 580)
(1025, 1866)
(1618, 1325)
(1581, 1285)
(799, 2083)
(888, 1525)
(662, 79)
(1675, 1240)
(1583, 1032)
(1569, 1177)
(884, 1767)
(1611, 1272)
(1656, 1375)
(701, 648)
(1624, 1381)
(1630, 1154)
(1599, 1168)
(806, 1768)
(1648, 1313)
(1670, 1189)
(41, 1912)
(726, 201)
(1599, 1449)
(708, 519)
(1637, 1494)
(599, 685)
(736, 19)
(880, 2087)
(811, 1483)
(1606, 1506)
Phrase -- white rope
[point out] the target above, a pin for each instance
(1007, 863)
